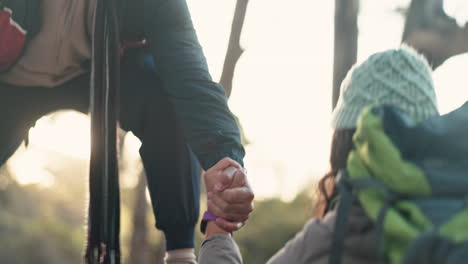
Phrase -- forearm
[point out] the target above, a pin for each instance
(200, 104)
(212, 229)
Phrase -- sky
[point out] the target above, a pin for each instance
(281, 91)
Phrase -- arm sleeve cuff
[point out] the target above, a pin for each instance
(234, 152)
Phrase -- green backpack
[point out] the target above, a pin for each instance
(412, 181)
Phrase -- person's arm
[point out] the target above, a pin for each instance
(200, 104)
(218, 247)
(308, 246)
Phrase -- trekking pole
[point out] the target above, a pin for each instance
(103, 245)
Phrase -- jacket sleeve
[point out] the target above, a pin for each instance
(311, 245)
(219, 249)
(199, 103)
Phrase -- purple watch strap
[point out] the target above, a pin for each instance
(207, 216)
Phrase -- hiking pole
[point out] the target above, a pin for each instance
(103, 245)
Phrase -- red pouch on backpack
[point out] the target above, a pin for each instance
(12, 39)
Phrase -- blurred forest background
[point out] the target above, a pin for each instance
(308, 48)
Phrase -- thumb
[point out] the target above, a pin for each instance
(225, 179)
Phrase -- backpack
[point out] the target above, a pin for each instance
(412, 181)
(19, 21)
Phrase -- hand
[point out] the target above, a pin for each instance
(221, 175)
(229, 194)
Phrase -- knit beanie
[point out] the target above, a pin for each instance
(400, 78)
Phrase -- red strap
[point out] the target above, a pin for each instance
(126, 45)
(12, 40)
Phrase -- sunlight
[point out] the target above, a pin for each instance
(281, 90)
(457, 9)
(62, 134)
(451, 82)
(28, 167)
(66, 132)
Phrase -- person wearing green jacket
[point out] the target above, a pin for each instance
(168, 99)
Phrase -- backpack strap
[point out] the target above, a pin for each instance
(346, 186)
(341, 220)
(380, 223)
(430, 247)
(104, 200)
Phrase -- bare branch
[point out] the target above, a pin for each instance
(433, 33)
(234, 51)
(233, 54)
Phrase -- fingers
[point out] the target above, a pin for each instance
(228, 226)
(225, 178)
(223, 164)
(230, 197)
(235, 208)
(242, 194)
(221, 175)
(232, 217)
(240, 178)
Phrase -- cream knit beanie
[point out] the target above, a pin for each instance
(401, 78)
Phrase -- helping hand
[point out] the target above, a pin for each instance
(230, 196)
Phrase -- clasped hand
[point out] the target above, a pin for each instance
(230, 196)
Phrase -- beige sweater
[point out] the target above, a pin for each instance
(61, 49)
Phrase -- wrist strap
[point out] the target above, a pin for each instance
(207, 216)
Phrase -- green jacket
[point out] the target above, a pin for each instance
(200, 104)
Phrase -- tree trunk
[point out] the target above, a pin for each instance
(346, 42)
(139, 242)
(233, 54)
(234, 51)
(433, 33)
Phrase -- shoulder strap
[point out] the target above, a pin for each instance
(104, 208)
(341, 221)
